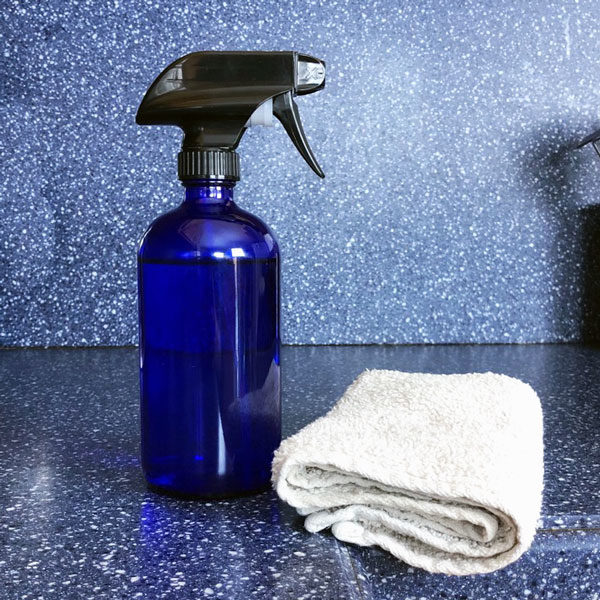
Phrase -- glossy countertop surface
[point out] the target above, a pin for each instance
(76, 520)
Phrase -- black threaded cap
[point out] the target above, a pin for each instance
(208, 164)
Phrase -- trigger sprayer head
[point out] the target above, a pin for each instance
(215, 96)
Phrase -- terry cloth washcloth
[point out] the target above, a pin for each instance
(443, 471)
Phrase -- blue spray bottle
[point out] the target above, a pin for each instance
(208, 275)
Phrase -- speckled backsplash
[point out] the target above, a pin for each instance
(455, 208)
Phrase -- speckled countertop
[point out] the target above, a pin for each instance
(76, 520)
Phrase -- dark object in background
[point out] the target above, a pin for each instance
(209, 279)
(590, 318)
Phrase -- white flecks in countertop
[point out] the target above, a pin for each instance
(76, 519)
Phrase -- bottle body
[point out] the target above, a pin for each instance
(208, 277)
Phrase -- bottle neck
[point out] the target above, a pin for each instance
(208, 191)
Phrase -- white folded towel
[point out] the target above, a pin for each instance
(443, 471)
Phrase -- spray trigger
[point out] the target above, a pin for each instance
(286, 110)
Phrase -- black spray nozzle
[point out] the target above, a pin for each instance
(214, 97)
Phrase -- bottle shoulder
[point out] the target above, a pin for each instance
(219, 231)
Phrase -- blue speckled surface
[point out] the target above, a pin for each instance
(77, 522)
(453, 208)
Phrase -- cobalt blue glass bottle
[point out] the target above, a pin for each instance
(208, 279)
(209, 346)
